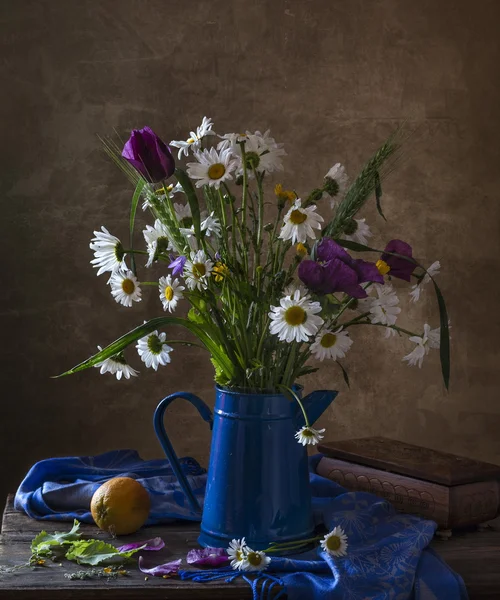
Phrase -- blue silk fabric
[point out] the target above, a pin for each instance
(388, 556)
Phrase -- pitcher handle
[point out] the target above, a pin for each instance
(166, 444)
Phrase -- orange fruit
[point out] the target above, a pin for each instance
(121, 506)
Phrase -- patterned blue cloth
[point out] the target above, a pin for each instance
(387, 559)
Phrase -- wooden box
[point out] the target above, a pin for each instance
(452, 490)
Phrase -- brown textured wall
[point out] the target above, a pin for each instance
(331, 78)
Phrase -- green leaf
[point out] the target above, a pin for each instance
(96, 552)
(133, 209)
(378, 195)
(444, 345)
(207, 339)
(45, 543)
(190, 192)
(344, 373)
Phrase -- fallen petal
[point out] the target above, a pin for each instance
(213, 557)
(153, 544)
(170, 568)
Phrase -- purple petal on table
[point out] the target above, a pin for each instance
(153, 544)
(170, 568)
(213, 557)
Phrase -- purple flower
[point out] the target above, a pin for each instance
(398, 267)
(149, 155)
(170, 568)
(177, 265)
(153, 544)
(213, 557)
(335, 271)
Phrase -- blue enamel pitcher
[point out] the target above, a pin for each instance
(258, 477)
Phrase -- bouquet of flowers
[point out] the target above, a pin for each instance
(271, 284)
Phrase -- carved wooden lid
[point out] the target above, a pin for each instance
(407, 459)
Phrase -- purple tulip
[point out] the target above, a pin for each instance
(149, 155)
(170, 568)
(398, 267)
(153, 544)
(212, 557)
(335, 271)
(177, 265)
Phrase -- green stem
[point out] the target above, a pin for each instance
(297, 399)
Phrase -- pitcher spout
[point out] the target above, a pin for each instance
(315, 405)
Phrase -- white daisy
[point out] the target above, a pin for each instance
(383, 307)
(254, 560)
(211, 225)
(236, 552)
(295, 318)
(157, 241)
(263, 153)
(125, 288)
(170, 292)
(212, 167)
(230, 140)
(293, 287)
(148, 193)
(340, 180)
(331, 344)
(299, 223)
(116, 365)
(194, 139)
(108, 251)
(309, 436)
(183, 214)
(197, 270)
(418, 288)
(358, 231)
(153, 350)
(430, 339)
(335, 542)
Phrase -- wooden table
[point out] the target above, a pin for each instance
(473, 554)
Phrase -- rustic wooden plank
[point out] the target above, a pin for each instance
(475, 555)
(15, 521)
(49, 582)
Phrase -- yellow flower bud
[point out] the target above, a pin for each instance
(301, 250)
(220, 271)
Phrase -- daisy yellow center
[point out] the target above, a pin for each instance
(239, 554)
(307, 433)
(128, 286)
(383, 267)
(297, 217)
(169, 292)
(295, 315)
(333, 542)
(155, 344)
(328, 340)
(254, 559)
(190, 140)
(216, 171)
(199, 270)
